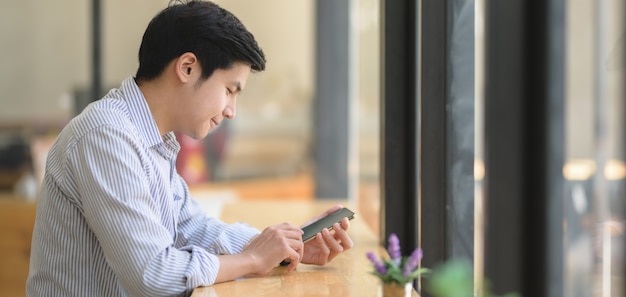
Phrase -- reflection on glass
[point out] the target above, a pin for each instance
(367, 31)
(460, 129)
(595, 171)
(479, 166)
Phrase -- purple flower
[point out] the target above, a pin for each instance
(378, 265)
(394, 248)
(412, 262)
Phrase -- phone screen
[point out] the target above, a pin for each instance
(326, 222)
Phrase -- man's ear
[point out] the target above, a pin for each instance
(186, 66)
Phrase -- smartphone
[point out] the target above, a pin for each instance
(326, 222)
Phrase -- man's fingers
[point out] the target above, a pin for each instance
(293, 259)
(286, 227)
(285, 230)
(324, 250)
(345, 224)
(333, 245)
(343, 238)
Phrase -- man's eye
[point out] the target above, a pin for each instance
(228, 91)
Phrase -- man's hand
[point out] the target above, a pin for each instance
(327, 245)
(275, 244)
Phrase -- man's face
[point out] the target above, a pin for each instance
(213, 100)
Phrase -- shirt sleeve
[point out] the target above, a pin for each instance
(197, 230)
(109, 170)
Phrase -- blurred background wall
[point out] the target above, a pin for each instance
(46, 53)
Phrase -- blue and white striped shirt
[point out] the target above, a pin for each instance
(114, 218)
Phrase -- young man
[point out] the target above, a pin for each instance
(114, 218)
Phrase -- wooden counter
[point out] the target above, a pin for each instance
(17, 218)
(347, 275)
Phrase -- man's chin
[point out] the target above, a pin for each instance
(199, 135)
(202, 135)
(209, 131)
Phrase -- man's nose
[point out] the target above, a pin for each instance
(230, 110)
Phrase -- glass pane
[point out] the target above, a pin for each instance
(464, 140)
(479, 166)
(367, 33)
(594, 172)
(460, 130)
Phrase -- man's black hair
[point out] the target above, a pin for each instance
(213, 34)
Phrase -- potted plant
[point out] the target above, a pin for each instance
(453, 278)
(397, 272)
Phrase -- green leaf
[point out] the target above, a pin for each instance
(452, 279)
(424, 272)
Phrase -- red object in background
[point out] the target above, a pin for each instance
(191, 163)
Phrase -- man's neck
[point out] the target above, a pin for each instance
(157, 93)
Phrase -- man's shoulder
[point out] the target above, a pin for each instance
(106, 112)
